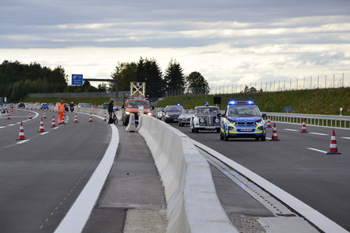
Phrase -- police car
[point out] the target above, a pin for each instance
(242, 119)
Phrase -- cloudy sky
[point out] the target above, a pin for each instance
(227, 41)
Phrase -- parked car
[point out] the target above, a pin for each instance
(171, 113)
(185, 117)
(21, 105)
(242, 119)
(205, 118)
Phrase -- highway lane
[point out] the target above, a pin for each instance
(41, 177)
(318, 179)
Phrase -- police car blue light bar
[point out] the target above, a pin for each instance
(232, 102)
(250, 102)
(178, 104)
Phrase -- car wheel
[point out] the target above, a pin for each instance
(221, 136)
(196, 130)
(263, 138)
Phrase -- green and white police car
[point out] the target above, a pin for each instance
(242, 119)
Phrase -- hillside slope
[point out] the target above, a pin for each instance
(318, 101)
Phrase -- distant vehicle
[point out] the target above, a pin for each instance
(81, 105)
(44, 106)
(159, 112)
(185, 117)
(105, 105)
(133, 105)
(171, 113)
(21, 105)
(4, 109)
(242, 119)
(205, 118)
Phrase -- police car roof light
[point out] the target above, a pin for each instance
(232, 102)
(250, 102)
(178, 104)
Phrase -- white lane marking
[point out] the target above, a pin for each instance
(44, 133)
(346, 137)
(294, 130)
(11, 124)
(322, 151)
(23, 141)
(268, 138)
(322, 134)
(1, 127)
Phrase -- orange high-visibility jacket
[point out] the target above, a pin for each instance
(60, 108)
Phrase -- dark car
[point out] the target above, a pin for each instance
(21, 105)
(171, 113)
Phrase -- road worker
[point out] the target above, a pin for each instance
(61, 111)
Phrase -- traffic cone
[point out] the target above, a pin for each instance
(90, 118)
(30, 115)
(268, 125)
(41, 128)
(76, 119)
(274, 133)
(303, 128)
(53, 124)
(44, 115)
(8, 117)
(333, 149)
(21, 133)
(105, 119)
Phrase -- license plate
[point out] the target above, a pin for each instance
(210, 127)
(246, 130)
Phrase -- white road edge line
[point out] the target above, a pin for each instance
(26, 140)
(322, 134)
(318, 219)
(79, 213)
(294, 130)
(346, 137)
(322, 151)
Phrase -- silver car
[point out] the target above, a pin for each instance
(185, 117)
(205, 118)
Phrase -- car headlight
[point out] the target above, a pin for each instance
(127, 113)
(149, 114)
(167, 116)
(217, 120)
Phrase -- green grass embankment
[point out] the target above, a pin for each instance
(318, 101)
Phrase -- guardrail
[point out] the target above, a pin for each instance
(192, 203)
(311, 119)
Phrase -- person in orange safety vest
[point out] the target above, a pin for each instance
(61, 111)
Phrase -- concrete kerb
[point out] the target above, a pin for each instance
(192, 203)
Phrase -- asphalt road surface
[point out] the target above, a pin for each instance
(41, 177)
(297, 164)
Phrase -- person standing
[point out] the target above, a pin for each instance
(61, 110)
(110, 109)
(341, 111)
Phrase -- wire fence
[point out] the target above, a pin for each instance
(305, 83)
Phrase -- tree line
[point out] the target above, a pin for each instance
(17, 80)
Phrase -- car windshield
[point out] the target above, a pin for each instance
(174, 109)
(208, 110)
(243, 111)
(136, 104)
(187, 111)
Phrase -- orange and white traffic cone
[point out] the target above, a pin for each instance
(303, 128)
(21, 132)
(76, 119)
(44, 115)
(274, 133)
(8, 117)
(30, 115)
(105, 119)
(41, 127)
(53, 124)
(333, 148)
(268, 125)
(90, 118)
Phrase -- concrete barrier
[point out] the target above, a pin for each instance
(192, 203)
